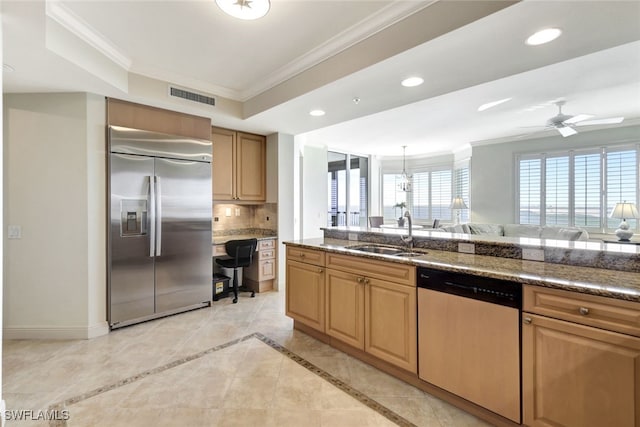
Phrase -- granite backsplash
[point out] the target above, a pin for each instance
(259, 219)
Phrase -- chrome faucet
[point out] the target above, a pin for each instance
(409, 238)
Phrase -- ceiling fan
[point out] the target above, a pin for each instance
(565, 124)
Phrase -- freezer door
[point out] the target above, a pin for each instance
(183, 234)
(131, 274)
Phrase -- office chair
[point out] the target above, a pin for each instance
(240, 254)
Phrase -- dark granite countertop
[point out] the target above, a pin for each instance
(617, 284)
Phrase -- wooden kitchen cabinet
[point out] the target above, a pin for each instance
(345, 307)
(239, 166)
(261, 274)
(305, 287)
(575, 374)
(371, 305)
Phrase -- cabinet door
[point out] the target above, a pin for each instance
(345, 307)
(579, 376)
(267, 270)
(390, 323)
(305, 294)
(251, 167)
(222, 164)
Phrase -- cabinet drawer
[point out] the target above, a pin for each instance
(606, 313)
(266, 244)
(266, 254)
(308, 256)
(390, 271)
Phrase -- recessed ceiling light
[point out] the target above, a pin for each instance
(493, 104)
(317, 113)
(412, 81)
(544, 36)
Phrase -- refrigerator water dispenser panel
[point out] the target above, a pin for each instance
(133, 217)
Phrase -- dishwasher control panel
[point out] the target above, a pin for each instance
(496, 291)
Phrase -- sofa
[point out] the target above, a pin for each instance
(520, 230)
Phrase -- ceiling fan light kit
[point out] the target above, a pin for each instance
(245, 9)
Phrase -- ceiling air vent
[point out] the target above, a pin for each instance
(191, 96)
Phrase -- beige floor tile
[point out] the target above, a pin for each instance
(172, 372)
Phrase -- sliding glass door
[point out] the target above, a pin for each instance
(348, 188)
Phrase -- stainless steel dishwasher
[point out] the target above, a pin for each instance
(469, 338)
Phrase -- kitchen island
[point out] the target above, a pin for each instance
(580, 326)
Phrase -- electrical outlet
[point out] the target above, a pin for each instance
(227, 212)
(237, 211)
(467, 248)
(353, 236)
(533, 254)
(216, 219)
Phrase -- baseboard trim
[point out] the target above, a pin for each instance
(55, 333)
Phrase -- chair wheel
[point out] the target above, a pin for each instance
(253, 294)
(235, 300)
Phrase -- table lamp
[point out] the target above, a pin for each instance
(456, 204)
(624, 210)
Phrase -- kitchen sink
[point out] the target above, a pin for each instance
(385, 250)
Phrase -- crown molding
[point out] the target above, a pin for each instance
(78, 27)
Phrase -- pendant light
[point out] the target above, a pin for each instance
(245, 9)
(405, 180)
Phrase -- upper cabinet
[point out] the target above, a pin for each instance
(239, 166)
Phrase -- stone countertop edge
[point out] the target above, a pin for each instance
(615, 284)
(219, 240)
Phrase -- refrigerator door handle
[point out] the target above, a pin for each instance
(158, 217)
(152, 216)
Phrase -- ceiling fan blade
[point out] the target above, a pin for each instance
(566, 131)
(578, 118)
(609, 121)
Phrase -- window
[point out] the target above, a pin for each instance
(577, 188)
(429, 198)
(461, 185)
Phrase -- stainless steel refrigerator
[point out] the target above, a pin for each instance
(159, 237)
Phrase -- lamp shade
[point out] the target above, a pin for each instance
(458, 203)
(624, 210)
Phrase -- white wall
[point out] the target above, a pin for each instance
(280, 189)
(54, 170)
(315, 191)
(493, 168)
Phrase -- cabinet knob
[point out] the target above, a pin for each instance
(527, 320)
(319, 270)
(584, 311)
(301, 255)
(359, 279)
(366, 281)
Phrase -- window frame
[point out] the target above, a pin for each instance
(603, 180)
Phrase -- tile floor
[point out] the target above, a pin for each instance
(227, 365)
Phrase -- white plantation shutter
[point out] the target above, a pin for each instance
(461, 185)
(441, 194)
(622, 178)
(557, 191)
(530, 191)
(420, 196)
(587, 183)
(577, 188)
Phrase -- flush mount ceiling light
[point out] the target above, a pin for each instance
(543, 36)
(412, 82)
(493, 104)
(245, 9)
(316, 113)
